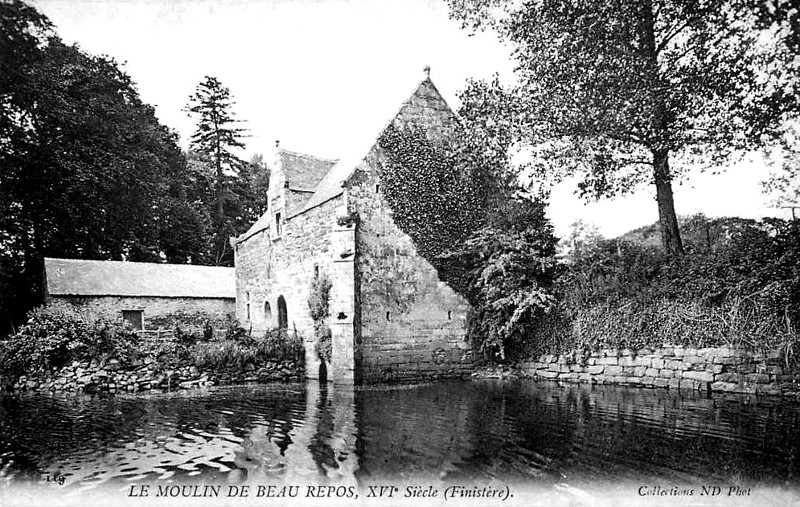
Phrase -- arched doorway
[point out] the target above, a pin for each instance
(283, 316)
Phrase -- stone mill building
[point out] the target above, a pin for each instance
(390, 315)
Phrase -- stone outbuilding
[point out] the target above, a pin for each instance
(391, 317)
(148, 296)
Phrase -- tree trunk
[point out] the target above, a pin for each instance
(667, 220)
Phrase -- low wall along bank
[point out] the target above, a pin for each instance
(110, 376)
(720, 369)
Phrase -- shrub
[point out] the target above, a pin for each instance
(274, 345)
(743, 289)
(222, 355)
(57, 334)
(238, 334)
(281, 345)
(324, 346)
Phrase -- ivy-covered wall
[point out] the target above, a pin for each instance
(413, 325)
(391, 317)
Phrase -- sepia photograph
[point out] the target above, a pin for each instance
(399, 252)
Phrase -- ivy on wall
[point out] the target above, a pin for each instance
(488, 240)
(319, 306)
(434, 202)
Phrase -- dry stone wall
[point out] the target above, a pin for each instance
(721, 369)
(111, 376)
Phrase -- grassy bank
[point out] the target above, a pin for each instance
(738, 284)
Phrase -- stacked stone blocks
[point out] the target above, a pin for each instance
(722, 369)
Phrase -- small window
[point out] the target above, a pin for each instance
(316, 271)
(267, 312)
(277, 224)
(134, 319)
(449, 315)
(247, 307)
(377, 188)
(388, 316)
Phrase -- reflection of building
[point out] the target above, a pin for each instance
(391, 317)
(146, 295)
(318, 447)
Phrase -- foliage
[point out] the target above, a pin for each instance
(57, 334)
(319, 296)
(274, 345)
(88, 171)
(279, 344)
(237, 333)
(433, 201)
(622, 93)
(457, 202)
(784, 184)
(324, 344)
(511, 266)
(216, 140)
(582, 240)
(347, 220)
(742, 290)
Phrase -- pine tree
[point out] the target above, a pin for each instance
(217, 139)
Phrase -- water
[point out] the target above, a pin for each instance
(569, 443)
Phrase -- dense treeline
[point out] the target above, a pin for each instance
(89, 172)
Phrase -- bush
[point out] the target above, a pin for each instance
(324, 346)
(280, 344)
(57, 334)
(274, 345)
(742, 290)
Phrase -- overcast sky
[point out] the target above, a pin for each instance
(322, 76)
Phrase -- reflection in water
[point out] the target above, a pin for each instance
(448, 432)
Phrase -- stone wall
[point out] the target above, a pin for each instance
(708, 369)
(267, 268)
(412, 325)
(147, 374)
(159, 312)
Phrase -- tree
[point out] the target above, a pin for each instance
(459, 202)
(622, 92)
(217, 139)
(85, 163)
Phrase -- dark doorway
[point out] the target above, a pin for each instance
(283, 316)
(323, 372)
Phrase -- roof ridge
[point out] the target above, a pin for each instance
(64, 259)
(306, 155)
(374, 138)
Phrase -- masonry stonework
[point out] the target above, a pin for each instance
(719, 369)
(270, 268)
(159, 312)
(391, 317)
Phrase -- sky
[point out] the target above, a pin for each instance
(322, 76)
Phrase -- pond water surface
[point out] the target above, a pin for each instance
(569, 442)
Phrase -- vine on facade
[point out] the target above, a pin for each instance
(319, 306)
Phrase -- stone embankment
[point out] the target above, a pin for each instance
(112, 376)
(721, 369)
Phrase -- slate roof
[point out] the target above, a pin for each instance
(329, 185)
(74, 277)
(304, 172)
